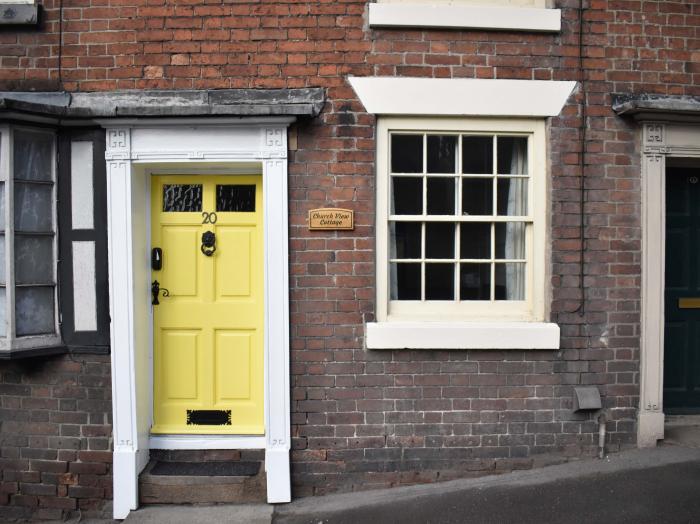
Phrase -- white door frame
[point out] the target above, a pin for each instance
(660, 141)
(134, 149)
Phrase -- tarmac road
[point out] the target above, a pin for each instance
(646, 486)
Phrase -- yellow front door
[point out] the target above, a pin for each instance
(208, 323)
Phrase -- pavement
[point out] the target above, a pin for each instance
(656, 486)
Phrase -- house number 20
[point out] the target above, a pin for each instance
(209, 218)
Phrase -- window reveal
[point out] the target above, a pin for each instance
(458, 217)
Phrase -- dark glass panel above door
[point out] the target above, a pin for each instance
(235, 198)
(178, 198)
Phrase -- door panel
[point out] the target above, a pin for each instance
(208, 327)
(233, 352)
(180, 274)
(178, 365)
(682, 324)
(233, 266)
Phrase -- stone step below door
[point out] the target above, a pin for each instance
(186, 477)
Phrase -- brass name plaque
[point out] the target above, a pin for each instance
(689, 303)
(331, 219)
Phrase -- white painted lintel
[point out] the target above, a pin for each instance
(462, 96)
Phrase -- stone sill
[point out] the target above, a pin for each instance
(19, 14)
(462, 335)
(465, 17)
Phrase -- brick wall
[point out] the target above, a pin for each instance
(375, 418)
(55, 437)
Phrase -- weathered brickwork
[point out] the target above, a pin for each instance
(55, 437)
(376, 418)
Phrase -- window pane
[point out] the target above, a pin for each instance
(405, 239)
(510, 240)
(33, 155)
(439, 282)
(512, 196)
(512, 155)
(235, 198)
(441, 196)
(475, 240)
(442, 150)
(2, 206)
(33, 207)
(407, 196)
(510, 281)
(406, 153)
(477, 155)
(34, 259)
(3, 316)
(404, 281)
(182, 198)
(477, 196)
(2, 259)
(34, 310)
(475, 281)
(439, 240)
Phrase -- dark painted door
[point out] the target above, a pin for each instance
(682, 306)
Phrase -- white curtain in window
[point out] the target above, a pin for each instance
(515, 231)
(393, 269)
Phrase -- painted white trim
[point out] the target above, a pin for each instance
(278, 425)
(462, 96)
(132, 152)
(125, 470)
(660, 141)
(205, 442)
(462, 335)
(464, 17)
(533, 308)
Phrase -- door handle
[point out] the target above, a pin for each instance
(157, 290)
(689, 303)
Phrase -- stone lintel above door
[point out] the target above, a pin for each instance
(301, 102)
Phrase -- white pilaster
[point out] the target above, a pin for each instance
(277, 323)
(651, 418)
(125, 471)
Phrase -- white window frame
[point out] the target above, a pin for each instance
(11, 342)
(469, 324)
(503, 15)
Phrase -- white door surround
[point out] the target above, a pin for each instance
(136, 149)
(662, 143)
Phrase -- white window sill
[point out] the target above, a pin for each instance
(465, 17)
(462, 335)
